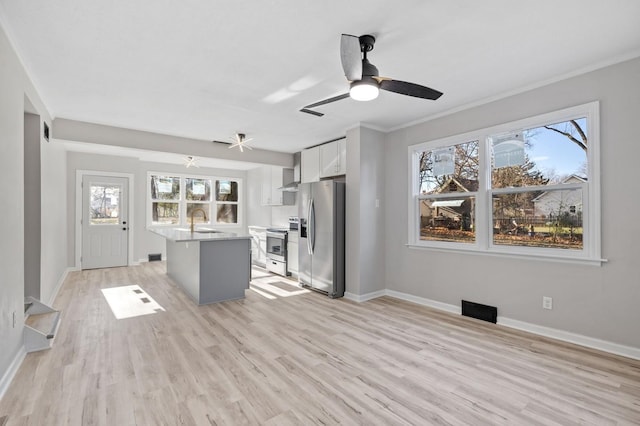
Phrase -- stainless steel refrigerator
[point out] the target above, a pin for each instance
(321, 238)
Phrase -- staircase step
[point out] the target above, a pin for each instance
(45, 323)
(40, 325)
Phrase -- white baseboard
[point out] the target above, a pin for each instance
(364, 297)
(566, 336)
(56, 290)
(425, 302)
(8, 376)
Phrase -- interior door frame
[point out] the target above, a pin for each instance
(78, 219)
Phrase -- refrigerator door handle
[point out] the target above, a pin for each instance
(312, 225)
(309, 229)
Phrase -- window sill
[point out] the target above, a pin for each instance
(522, 256)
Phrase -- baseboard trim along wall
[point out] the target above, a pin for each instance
(566, 336)
(11, 372)
(59, 284)
(363, 298)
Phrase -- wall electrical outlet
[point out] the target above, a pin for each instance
(547, 302)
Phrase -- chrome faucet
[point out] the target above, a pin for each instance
(193, 212)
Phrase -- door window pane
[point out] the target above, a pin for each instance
(104, 205)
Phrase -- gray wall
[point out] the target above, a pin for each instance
(598, 302)
(80, 131)
(365, 263)
(144, 242)
(32, 205)
(14, 86)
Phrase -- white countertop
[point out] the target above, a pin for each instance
(184, 234)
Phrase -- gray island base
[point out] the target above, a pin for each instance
(210, 267)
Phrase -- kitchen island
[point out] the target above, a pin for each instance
(210, 266)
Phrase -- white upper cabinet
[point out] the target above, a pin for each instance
(272, 179)
(310, 163)
(333, 158)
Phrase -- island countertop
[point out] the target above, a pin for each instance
(200, 234)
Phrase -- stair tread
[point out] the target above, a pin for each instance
(44, 323)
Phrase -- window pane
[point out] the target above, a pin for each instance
(556, 153)
(227, 213)
(226, 190)
(104, 204)
(550, 219)
(198, 189)
(165, 188)
(165, 213)
(453, 168)
(198, 209)
(448, 219)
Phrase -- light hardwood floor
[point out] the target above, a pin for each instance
(286, 357)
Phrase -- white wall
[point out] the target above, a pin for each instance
(14, 86)
(598, 302)
(144, 242)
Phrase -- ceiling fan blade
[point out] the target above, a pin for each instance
(410, 89)
(328, 101)
(312, 112)
(351, 57)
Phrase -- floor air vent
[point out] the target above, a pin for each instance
(478, 311)
(155, 257)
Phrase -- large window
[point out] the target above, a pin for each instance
(523, 188)
(176, 199)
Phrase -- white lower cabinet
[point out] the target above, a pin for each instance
(258, 245)
(292, 253)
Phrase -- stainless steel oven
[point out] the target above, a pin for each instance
(277, 251)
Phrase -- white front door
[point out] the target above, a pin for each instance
(105, 226)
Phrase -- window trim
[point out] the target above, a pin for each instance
(182, 202)
(591, 251)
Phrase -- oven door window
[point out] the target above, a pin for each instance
(275, 246)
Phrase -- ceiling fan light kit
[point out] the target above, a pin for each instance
(365, 81)
(364, 90)
(240, 141)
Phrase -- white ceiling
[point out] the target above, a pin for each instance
(206, 69)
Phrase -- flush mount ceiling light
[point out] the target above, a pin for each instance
(190, 161)
(240, 141)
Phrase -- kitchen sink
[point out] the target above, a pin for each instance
(207, 231)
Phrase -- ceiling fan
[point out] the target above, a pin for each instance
(365, 83)
(240, 141)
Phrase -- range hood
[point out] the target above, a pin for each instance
(292, 185)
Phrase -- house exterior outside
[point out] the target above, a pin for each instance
(557, 203)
